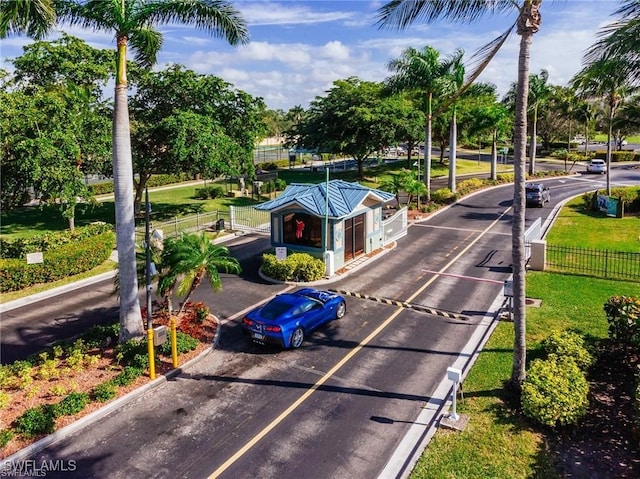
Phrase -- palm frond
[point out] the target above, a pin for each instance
(216, 17)
(146, 43)
(399, 14)
(36, 18)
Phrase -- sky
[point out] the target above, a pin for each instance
(297, 49)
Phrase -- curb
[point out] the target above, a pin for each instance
(17, 303)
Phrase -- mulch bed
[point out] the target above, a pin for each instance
(606, 443)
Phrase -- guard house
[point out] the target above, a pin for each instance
(352, 212)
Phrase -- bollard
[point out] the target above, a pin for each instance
(174, 341)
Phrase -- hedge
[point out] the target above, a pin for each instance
(617, 156)
(297, 267)
(66, 260)
(155, 180)
(18, 248)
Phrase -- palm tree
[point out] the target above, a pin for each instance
(584, 112)
(606, 78)
(419, 71)
(402, 13)
(132, 23)
(193, 258)
(454, 84)
(397, 183)
(539, 92)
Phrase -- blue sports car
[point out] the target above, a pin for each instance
(289, 317)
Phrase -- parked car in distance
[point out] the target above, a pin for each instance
(597, 166)
(537, 194)
(289, 317)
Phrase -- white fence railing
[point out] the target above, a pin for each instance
(249, 219)
(394, 227)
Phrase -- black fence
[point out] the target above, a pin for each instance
(593, 262)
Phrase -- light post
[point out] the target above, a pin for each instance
(147, 247)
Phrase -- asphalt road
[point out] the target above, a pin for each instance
(340, 405)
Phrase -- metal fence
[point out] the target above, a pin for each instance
(593, 262)
(249, 219)
(187, 224)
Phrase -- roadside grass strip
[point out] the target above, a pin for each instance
(404, 304)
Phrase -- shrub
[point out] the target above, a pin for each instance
(72, 404)
(216, 192)
(202, 193)
(105, 391)
(296, 267)
(102, 188)
(36, 420)
(5, 399)
(49, 369)
(5, 436)
(269, 166)
(630, 196)
(127, 376)
(58, 390)
(555, 392)
(100, 334)
(443, 196)
(133, 353)
(623, 155)
(568, 344)
(281, 184)
(184, 344)
(201, 311)
(623, 316)
(470, 185)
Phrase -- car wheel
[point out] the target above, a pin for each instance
(342, 308)
(297, 338)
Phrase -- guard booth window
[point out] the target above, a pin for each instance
(302, 229)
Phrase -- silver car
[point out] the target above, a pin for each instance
(597, 166)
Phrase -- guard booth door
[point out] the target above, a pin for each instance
(354, 237)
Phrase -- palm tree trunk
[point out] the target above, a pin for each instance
(131, 325)
(494, 156)
(518, 373)
(453, 140)
(427, 148)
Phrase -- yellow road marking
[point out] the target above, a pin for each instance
(229, 462)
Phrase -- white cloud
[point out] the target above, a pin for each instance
(298, 49)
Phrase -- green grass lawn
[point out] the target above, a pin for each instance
(576, 226)
(499, 442)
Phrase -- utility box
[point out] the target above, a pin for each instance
(159, 335)
(329, 263)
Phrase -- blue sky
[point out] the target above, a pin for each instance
(298, 49)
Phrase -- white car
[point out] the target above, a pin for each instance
(597, 166)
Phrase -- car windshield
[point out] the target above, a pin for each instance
(276, 308)
(533, 189)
